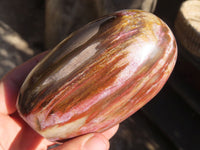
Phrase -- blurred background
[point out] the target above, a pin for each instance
(171, 121)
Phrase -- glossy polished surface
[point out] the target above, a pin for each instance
(98, 76)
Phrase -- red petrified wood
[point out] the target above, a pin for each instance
(99, 75)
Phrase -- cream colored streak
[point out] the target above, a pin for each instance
(64, 130)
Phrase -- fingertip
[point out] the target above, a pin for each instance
(111, 132)
(97, 142)
(93, 141)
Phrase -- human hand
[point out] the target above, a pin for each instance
(15, 134)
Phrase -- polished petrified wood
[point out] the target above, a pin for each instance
(98, 76)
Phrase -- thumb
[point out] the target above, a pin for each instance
(93, 141)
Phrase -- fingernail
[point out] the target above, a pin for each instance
(96, 142)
